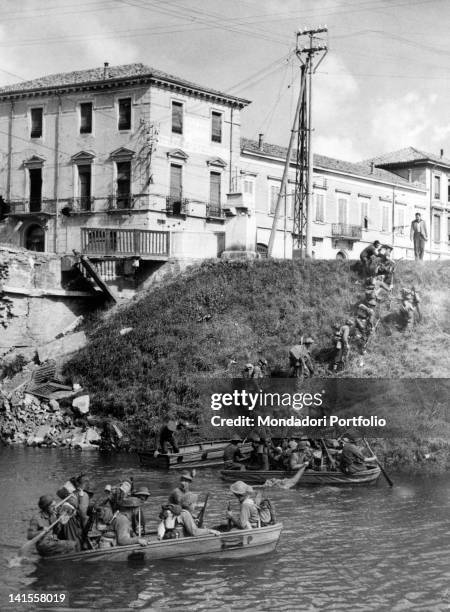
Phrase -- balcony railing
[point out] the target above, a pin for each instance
(348, 232)
(214, 210)
(176, 206)
(121, 202)
(105, 241)
(31, 207)
(81, 204)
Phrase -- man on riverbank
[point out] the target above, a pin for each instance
(419, 236)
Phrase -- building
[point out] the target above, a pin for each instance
(139, 170)
(353, 203)
(126, 164)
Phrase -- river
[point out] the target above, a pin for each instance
(346, 549)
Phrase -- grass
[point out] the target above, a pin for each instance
(212, 319)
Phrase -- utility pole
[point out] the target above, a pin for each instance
(302, 127)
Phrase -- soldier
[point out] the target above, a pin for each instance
(386, 266)
(407, 310)
(300, 359)
(368, 257)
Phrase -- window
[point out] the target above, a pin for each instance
(35, 175)
(176, 189)
(448, 190)
(342, 211)
(437, 187)
(177, 118)
(365, 214)
(320, 207)
(216, 128)
(123, 185)
(36, 122)
(273, 197)
(125, 114)
(84, 186)
(400, 228)
(385, 219)
(448, 230)
(214, 189)
(436, 228)
(86, 118)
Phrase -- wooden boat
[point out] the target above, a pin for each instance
(331, 478)
(203, 454)
(232, 544)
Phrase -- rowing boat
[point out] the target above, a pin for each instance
(232, 544)
(202, 454)
(310, 477)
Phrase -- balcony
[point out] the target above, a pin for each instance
(81, 205)
(120, 202)
(214, 211)
(148, 244)
(27, 208)
(347, 232)
(176, 206)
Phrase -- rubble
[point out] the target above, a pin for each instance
(26, 419)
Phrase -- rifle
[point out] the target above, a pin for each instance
(416, 302)
(330, 458)
(201, 514)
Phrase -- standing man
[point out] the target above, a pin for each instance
(419, 236)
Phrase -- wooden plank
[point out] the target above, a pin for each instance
(90, 268)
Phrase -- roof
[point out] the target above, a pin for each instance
(363, 169)
(106, 75)
(408, 155)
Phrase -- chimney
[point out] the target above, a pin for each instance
(106, 70)
(372, 166)
(442, 153)
(260, 142)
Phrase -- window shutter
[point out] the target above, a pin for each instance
(177, 118)
(216, 134)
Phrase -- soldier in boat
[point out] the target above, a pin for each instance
(138, 520)
(52, 543)
(182, 495)
(232, 455)
(248, 511)
(178, 522)
(167, 442)
(301, 455)
(121, 525)
(352, 459)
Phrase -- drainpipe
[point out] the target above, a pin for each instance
(9, 158)
(230, 182)
(56, 177)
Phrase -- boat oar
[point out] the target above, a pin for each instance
(201, 514)
(383, 471)
(25, 549)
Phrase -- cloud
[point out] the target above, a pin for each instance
(400, 122)
(336, 146)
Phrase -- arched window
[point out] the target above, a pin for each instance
(261, 249)
(35, 238)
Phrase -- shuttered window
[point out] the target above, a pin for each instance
(85, 117)
(36, 122)
(400, 221)
(177, 118)
(125, 114)
(216, 133)
(175, 182)
(214, 189)
(342, 211)
(436, 228)
(320, 207)
(273, 197)
(365, 214)
(385, 219)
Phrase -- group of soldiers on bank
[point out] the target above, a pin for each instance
(75, 520)
(290, 454)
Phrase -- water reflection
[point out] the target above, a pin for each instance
(342, 549)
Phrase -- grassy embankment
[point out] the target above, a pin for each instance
(210, 321)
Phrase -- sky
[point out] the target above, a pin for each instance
(383, 85)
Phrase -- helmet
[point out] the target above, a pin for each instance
(309, 340)
(240, 488)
